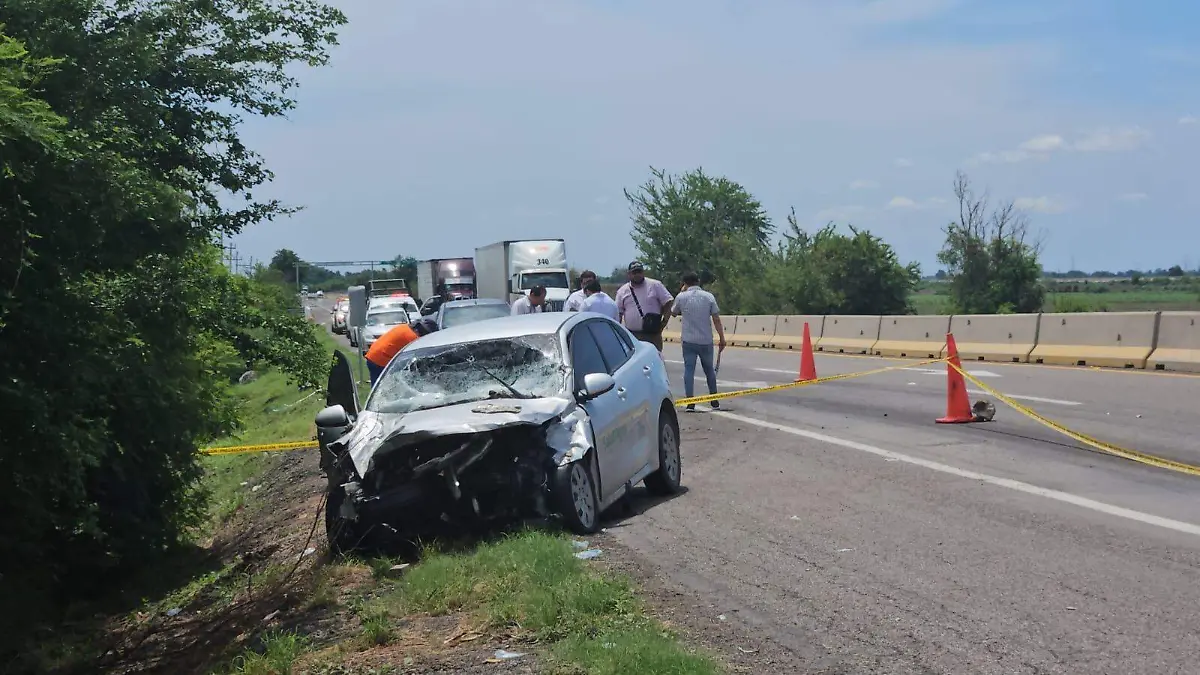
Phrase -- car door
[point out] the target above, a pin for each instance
(634, 448)
(341, 389)
(609, 413)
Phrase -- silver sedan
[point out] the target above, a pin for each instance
(551, 414)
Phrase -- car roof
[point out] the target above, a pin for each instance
(473, 301)
(541, 323)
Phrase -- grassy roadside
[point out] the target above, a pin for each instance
(258, 595)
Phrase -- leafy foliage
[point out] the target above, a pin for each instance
(120, 331)
(715, 227)
(992, 267)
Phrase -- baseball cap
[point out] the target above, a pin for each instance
(636, 266)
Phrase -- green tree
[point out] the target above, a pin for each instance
(697, 222)
(121, 329)
(833, 273)
(992, 265)
(1175, 271)
(286, 261)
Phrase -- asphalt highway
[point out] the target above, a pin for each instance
(841, 526)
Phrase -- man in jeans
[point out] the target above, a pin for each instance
(644, 305)
(698, 308)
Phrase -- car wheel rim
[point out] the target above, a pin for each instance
(670, 451)
(581, 495)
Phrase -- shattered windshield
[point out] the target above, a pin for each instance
(386, 318)
(529, 366)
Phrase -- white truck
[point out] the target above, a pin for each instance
(451, 278)
(506, 270)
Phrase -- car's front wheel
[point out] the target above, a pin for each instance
(666, 480)
(577, 497)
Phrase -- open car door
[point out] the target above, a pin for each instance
(341, 390)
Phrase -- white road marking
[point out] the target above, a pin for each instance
(1066, 497)
(1022, 397)
(777, 370)
(942, 371)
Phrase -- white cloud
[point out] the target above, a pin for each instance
(1189, 119)
(1112, 140)
(1039, 204)
(864, 185)
(1043, 146)
(1132, 197)
(1044, 143)
(902, 162)
(901, 202)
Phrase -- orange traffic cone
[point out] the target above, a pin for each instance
(958, 404)
(808, 367)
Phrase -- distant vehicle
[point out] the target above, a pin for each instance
(446, 278)
(341, 312)
(404, 302)
(380, 321)
(320, 293)
(459, 312)
(506, 270)
(553, 414)
(377, 287)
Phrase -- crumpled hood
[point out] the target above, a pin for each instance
(373, 431)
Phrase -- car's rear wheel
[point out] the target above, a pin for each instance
(666, 480)
(577, 497)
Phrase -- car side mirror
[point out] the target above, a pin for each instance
(595, 385)
(333, 416)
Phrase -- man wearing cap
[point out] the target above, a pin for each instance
(644, 305)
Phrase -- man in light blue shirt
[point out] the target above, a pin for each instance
(699, 309)
(598, 301)
(575, 300)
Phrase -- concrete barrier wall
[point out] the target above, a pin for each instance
(916, 336)
(1113, 339)
(1178, 346)
(672, 334)
(848, 334)
(753, 331)
(995, 337)
(789, 330)
(1157, 340)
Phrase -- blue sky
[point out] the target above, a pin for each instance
(444, 125)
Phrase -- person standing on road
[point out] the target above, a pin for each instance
(388, 345)
(529, 304)
(575, 300)
(644, 306)
(598, 301)
(700, 314)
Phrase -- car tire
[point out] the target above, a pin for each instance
(577, 497)
(666, 480)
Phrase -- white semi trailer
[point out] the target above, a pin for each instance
(506, 270)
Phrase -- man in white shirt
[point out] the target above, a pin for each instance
(529, 304)
(574, 301)
(599, 302)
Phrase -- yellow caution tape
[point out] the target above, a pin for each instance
(792, 385)
(1107, 448)
(239, 449)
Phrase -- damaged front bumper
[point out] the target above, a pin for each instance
(474, 463)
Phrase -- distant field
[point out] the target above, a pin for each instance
(1133, 300)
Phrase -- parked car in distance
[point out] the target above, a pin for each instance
(404, 302)
(380, 321)
(459, 312)
(555, 414)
